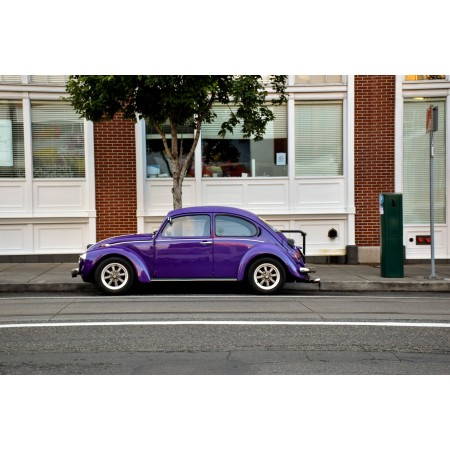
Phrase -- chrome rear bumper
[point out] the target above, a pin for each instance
(307, 269)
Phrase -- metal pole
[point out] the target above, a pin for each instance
(433, 272)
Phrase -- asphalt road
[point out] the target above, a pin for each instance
(226, 332)
(231, 333)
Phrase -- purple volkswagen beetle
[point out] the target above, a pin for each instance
(205, 243)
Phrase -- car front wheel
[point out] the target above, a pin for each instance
(114, 276)
(266, 276)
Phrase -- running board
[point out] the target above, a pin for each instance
(153, 280)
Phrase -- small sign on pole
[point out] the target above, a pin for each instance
(432, 119)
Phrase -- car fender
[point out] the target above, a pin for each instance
(93, 259)
(269, 251)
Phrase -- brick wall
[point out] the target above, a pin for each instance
(374, 151)
(115, 177)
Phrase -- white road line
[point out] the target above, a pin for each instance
(229, 322)
(213, 296)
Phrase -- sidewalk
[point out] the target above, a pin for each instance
(56, 277)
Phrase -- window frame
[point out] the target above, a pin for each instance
(170, 222)
(186, 134)
(248, 168)
(242, 219)
(79, 151)
(18, 148)
(298, 154)
(421, 216)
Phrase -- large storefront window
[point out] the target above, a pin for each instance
(235, 156)
(13, 79)
(319, 79)
(416, 162)
(12, 154)
(425, 77)
(319, 138)
(57, 140)
(158, 165)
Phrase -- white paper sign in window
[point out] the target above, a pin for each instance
(6, 148)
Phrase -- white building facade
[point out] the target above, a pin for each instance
(300, 177)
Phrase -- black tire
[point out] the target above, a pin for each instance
(114, 276)
(266, 276)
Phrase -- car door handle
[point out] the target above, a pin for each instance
(206, 242)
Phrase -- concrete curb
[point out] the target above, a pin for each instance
(47, 287)
(385, 286)
(323, 286)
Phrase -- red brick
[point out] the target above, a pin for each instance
(115, 175)
(374, 151)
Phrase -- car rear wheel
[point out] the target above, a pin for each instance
(114, 276)
(266, 276)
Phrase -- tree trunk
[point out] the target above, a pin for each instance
(177, 190)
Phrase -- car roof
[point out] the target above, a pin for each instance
(212, 209)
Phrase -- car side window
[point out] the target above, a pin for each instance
(188, 226)
(232, 226)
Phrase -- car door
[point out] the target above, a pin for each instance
(233, 237)
(184, 249)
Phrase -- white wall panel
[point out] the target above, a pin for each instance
(59, 196)
(414, 251)
(246, 193)
(158, 198)
(151, 226)
(12, 196)
(41, 237)
(59, 238)
(268, 194)
(227, 193)
(319, 194)
(278, 224)
(159, 195)
(12, 238)
(317, 241)
(16, 238)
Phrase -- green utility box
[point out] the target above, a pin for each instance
(391, 234)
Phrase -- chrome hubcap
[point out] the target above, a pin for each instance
(267, 276)
(114, 276)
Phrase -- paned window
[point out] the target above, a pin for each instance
(416, 163)
(425, 77)
(57, 140)
(13, 79)
(234, 156)
(48, 79)
(188, 226)
(158, 165)
(12, 154)
(319, 138)
(319, 79)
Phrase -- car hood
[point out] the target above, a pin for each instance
(122, 240)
